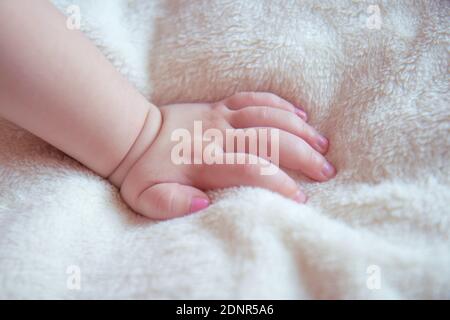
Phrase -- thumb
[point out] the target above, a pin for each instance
(170, 200)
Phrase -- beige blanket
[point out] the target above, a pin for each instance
(374, 78)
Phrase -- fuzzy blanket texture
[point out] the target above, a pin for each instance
(374, 78)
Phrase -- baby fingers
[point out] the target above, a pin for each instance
(248, 170)
(281, 119)
(244, 99)
(281, 148)
(296, 154)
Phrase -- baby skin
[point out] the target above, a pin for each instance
(56, 84)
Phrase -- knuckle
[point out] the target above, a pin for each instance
(293, 121)
(219, 107)
(251, 95)
(273, 98)
(316, 159)
(235, 116)
(306, 128)
(215, 120)
(302, 126)
(163, 201)
(248, 170)
(263, 113)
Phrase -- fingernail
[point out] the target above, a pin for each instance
(322, 142)
(302, 114)
(328, 170)
(300, 108)
(300, 197)
(198, 204)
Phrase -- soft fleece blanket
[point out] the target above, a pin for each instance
(374, 78)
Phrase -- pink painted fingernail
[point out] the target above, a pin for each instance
(300, 197)
(300, 108)
(302, 114)
(328, 171)
(198, 204)
(322, 142)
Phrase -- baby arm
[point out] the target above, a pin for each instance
(57, 85)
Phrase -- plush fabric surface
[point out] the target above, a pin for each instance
(380, 229)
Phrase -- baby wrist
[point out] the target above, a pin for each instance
(147, 135)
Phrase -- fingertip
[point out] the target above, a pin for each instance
(300, 197)
(322, 144)
(301, 113)
(328, 171)
(198, 204)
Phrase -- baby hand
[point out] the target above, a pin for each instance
(167, 182)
